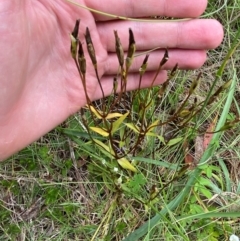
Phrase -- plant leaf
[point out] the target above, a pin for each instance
(94, 111)
(153, 125)
(105, 147)
(174, 141)
(100, 131)
(209, 133)
(113, 115)
(151, 134)
(133, 127)
(99, 114)
(125, 164)
(118, 122)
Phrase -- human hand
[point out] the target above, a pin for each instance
(39, 83)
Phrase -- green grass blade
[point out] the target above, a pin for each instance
(211, 215)
(226, 175)
(238, 189)
(134, 236)
(157, 163)
(79, 134)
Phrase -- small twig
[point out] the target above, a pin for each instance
(126, 18)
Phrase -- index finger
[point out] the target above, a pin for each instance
(143, 8)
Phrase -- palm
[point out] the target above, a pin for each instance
(62, 79)
(43, 49)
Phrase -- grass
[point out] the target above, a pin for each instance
(65, 188)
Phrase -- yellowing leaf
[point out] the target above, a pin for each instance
(184, 113)
(133, 127)
(100, 131)
(99, 114)
(151, 134)
(153, 125)
(113, 115)
(95, 112)
(118, 122)
(105, 147)
(125, 164)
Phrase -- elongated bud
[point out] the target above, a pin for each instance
(81, 59)
(144, 65)
(165, 58)
(219, 90)
(76, 29)
(162, 90)
(227, 84)
(154, 192)
(74, 39)
(212, 99)
(229, 124)
(115, 85)
(119, 49)
(193, 106)
(174, 70)
(90, 48)
(131, 49)
(74, 46)
(194, 84)
(184, 113)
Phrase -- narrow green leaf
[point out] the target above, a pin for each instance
(80, 134)
(118, 122)
(153, 125)
(174, 141)
(226, 174)
(133, 127)
(105, 147)
(210, 215)
(168, 165)
(204, 181)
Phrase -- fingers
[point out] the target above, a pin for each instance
(8, 7)
(193, 34)
(186, 59)
(132, 83)
(143, 8)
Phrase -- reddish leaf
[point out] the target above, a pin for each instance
(188, 158)
(199, 149)
(209, 133)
